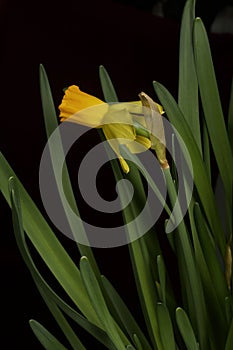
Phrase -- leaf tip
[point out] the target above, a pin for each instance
(11, 183)
(83, 259)
(198, 20)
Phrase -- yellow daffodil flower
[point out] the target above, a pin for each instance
(85, 109)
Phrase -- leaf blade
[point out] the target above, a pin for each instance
(186, 329)
(48, 341)
(46, 243)
(188, 84)
(212, 107)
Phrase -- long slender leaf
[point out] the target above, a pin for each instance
(99, 304)
(188, 85)
(52, 298)
(44, 288)
(212, 107)
(211, 254)
(45, 292)
(213, 282)
(196, 298)
(47, 244)
(165, 327)
(107, 86)
(48, 341)
(137, 342)
(93, 330)
(228, 309)
(230, 117)
(51, 124)
(229, 342)
(206, 150)
(201, 179)
(62, 321)
(186, 330)
(162, 277)
(125, 315)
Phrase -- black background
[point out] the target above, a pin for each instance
(71, 40)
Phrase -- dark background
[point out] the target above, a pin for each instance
(71, 40)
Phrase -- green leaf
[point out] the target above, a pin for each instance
(230, 118)
(57, 152)
(186, 330)
(49, 111)
(62, 321)
(210, 251)
(49, 295)
(99, 304)
(165, 327)
(107, 86)
(189, 276)
(214, 284)
(201, 179)
(213, 279)
(228, 309)
(137, 342)
(212, 107)
(125, 316)
(188, 85)
(162, 277)
(47, 244)
(48, 341)
(229, 341)
(206, 150)
(93, 330)
(41, 285)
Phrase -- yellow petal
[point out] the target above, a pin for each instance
(160, 108)
(136, 146)
(124, 165)
(119, 134)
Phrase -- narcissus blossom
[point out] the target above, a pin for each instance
(116, 120)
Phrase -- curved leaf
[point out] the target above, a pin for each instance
(99, 304)
(125, 315)
(188, 85)
(165, 327)
(186, 330)
(48, 341)
(212, 107)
